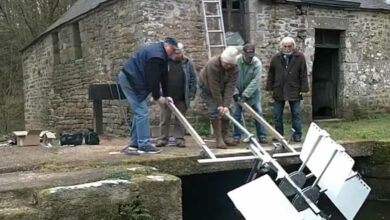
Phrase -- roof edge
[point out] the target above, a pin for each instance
(50, 28)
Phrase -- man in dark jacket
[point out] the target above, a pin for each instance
(287, 79)
(216, 83)
(141, 74)
(182, 89)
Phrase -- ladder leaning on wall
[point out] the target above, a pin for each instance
(214, 27)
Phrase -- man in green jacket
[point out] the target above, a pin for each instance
(216, 83)
(248, 90)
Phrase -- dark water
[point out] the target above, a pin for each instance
(205, 198)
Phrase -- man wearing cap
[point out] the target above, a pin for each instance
(248, 90)
(287, 79)
(181, 87)
(142, 74)
(216, 82)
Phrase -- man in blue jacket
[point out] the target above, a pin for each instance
(143, 73)
(248, 90)
(181, 88)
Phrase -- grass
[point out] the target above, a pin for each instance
(377, 127)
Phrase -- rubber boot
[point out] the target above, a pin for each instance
(219, 143)
(225, 134)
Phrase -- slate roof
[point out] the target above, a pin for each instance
(375, 4)
(78, 8)
(364, 4)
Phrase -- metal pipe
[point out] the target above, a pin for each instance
(261, 120)
(191, 130)
(259, 151)
(310, 153)
(227, 159)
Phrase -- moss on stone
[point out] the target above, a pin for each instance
(381, 153)
(18, 214)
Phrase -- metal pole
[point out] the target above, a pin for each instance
(266, 158)
(267, 126)
(191, 130)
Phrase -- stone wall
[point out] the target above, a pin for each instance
(107, 36)
(364, 75)
(132, 192)
(57, 80)
(376, 171)
(37, 75)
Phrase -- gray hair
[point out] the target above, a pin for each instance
(287, 40)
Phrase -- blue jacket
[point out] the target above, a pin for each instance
(134, 67)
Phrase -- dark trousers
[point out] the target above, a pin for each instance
(260, 130)
(295, 117)
(165, 121)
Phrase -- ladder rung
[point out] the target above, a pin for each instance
(215, 31)
(213, 16)
(217, 45)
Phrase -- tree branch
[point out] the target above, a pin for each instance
(26, 20)
(53, 9)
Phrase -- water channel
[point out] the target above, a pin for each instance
(205, 197)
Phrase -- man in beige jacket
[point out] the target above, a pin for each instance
(217, 82)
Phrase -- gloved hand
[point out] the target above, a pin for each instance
(244, 99)
(236, 97)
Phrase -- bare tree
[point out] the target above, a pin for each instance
(20, 22)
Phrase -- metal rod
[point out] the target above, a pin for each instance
(310, 153)
(259, 151)
(267, 126)
(309, 175)
(252, 175)
(191, 130)
(289, 154)
(326, 167)
(227, 159)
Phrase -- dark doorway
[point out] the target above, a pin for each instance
(233, 12)
(326, 72)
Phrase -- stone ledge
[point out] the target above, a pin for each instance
(113, 190)
(22, 213)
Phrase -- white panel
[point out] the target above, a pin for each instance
(337, 172)
(262, 199)
(311, 137)
(322, 155)
(351, 197)
(308, 214)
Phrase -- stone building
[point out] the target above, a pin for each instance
(346, 44)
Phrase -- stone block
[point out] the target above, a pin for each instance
(114, 198)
